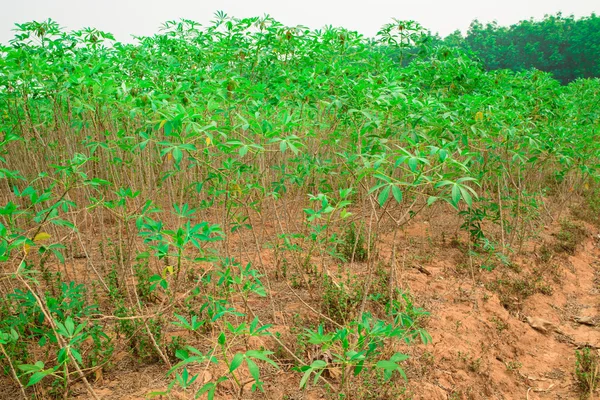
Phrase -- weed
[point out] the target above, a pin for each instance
(499, 324)
(473, 364)
(587, 370)
(176, 344)
(569, 237)
(456, 396)
(589, 208)
(142, 275)
(340, 300)
(545, 253)
(352, 245)
(372, 385)
(513, 291)
(513, 366)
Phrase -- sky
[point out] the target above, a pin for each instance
(124, 18)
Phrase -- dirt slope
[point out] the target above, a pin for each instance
(510, 333)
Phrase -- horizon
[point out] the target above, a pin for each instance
(137, 18)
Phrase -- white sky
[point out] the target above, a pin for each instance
(143, 17)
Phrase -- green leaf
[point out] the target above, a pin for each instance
(38, 376)
(156, 394)
(62, 356)
(359, 367)
(386, 364)
(222, 339)
(70, 326)
(182, 322)
(317, 365)
(77, 356)
(384, 178)
(262, 355)
(62, 222)
(254, 370)
(305, 377)
(39, 365)
(59, 256)
(398, 357)
(413, 163)
(431, 200)
(466, 196)
(236, 362)
(208, 388)
(397, 193)
(443, 155)
(177, 155)
(455, 195)
(383, 196)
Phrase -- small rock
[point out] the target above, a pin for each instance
(540, 324)
(585, 320)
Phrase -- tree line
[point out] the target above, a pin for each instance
(567, 47)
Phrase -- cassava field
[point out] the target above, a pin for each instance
(252, 211)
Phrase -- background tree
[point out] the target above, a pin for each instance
(569, 48)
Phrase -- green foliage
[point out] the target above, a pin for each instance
(567, 47)
(569, 237)
(353, 245)
(156, 172)
(340, 300)
(513, 291)
(589, 208)
(587, 370)
(359, 346)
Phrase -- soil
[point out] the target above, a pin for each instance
(492, 338)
